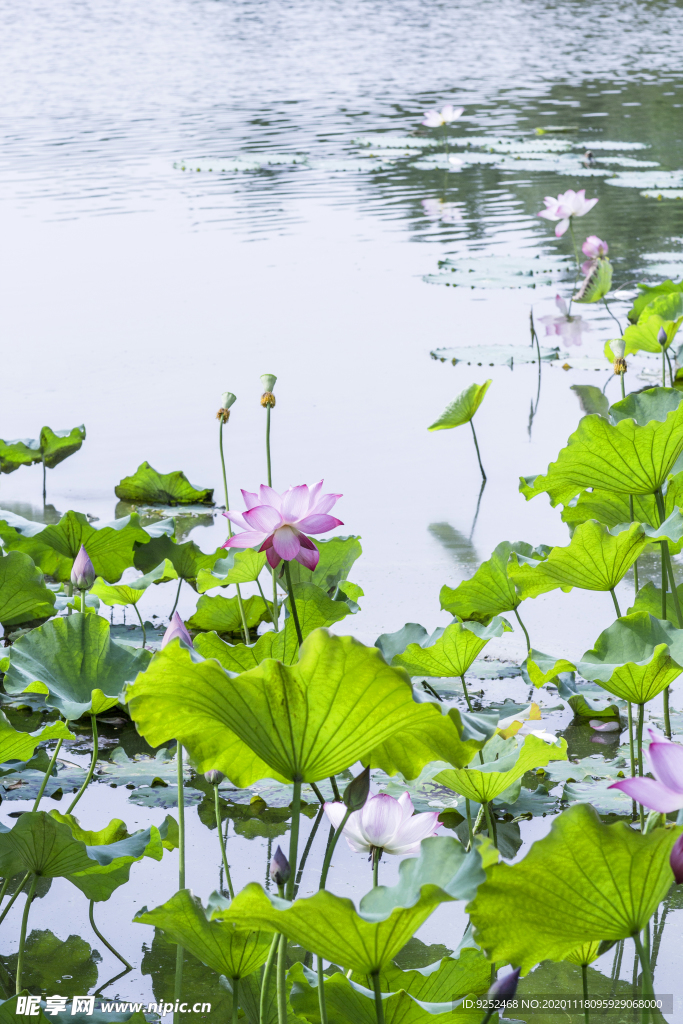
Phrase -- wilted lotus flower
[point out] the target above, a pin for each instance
(447, 114)
(280, 870)
(278, 523)
(567, 205)
(676, 860)
(385, 824)
(664, 793)
(82, 572)
(506, 987)
(594, 248)
(214, 777)
(176, 630)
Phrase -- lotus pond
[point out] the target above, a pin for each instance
(334, 214)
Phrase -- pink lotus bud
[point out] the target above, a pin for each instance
(506, 987)
(214, 777)
(661, 337)
(82, 572)
(279, 868)
(176, 630)
(676, 860)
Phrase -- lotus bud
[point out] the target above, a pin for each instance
(82, 572)
(214, 777)
(279, 868)
(227, 400)
(268, 398)
(176, 630)
(506, 987)
(662, 337)
(676, 860)
(356, 793)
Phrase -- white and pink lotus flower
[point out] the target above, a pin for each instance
(447, 114)
(385, 823)
(567, 205)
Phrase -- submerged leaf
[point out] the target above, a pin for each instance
(463, 408)
(161, 488)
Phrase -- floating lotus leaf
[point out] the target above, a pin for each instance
(23, 595)
(187, 559)
(367, 939)
(635, 658)
(463, 408)
(222, 614)
(57, 445)
(591, 399)
(545, 668)
(485, 782)
(596, 283)
(600, 796)
(75, 663)
(22, 452)
(19, 746)
(222, 945)
(142, 770)
(130, 593)
(648, 294)
(452, 653)
(161, 488)
(501, 271)
(492, 355)
(592, 767)
(589, 882)
(238, 567)
(490, 591)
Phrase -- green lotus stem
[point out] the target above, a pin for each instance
(69, 593)
(177, 595)
(631, 747)
(467, 696)
(379, 1009)
(663, 369)
(235, 999)
(376, 854)
(668, 566)
(480, 819)
(10, 903)
(181, 819)
(22, 935)
(275, 615)
(330, 849)
(671, 373)
(489, 824)
(224, 855)
(322, 1004)
(265, 979)
(3, 890)
(44, 782)
(645, 965)
(630, 505)
(178, 982)
(101, 937)
(528, 641)
(44, 481)
(476, 445)
(142, 626)
(623, 395)
(91, 769)
(260, 590)
(317, 792)
(307, 849)
(468, 812)
(335, 788)
(584, 979)
(294, 835)
(245, 628)
(616, 603)
(292, 606)
(282, 981)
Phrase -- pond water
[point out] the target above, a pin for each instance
(198, 192)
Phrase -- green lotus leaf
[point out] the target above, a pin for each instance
(649, 599)
(19, 746)
(449, 978)
(39, 844)
(485, 782)
(582, 882)
(595, 559)
(222, 614)
(142, 770)
(238, 567)
(311, 720)
(440, 734)
(23, 594)
(452, 653)
(643, 335)
(367, 939)
(648, 294)
(391, 644)
(22, 452)
(545, 668)
(282, 646)
(463, 408)
(584, 954)
(57, 445)
(634, 658)
(592, 399)
(75, 663)
(644, 406)
(583, 701)
(337, 557)
(597, 281)
(668, 306)
(130, 593)
(490, 591)
(161, 488)
(187, 559)
(53, 965)
(220, 944)
(592, 767)
(623, 458)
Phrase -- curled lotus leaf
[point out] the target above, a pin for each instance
(643, 336)
(591, 399)
(130, 593)
(545, 668)
(645, 406)
(453, 651)
(649, 294)
(147, 485)
(21, 452)
(490, 591)
(57, 445)
(484, 782)
(649, 599)
(463, 408)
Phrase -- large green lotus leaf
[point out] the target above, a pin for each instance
(22, 452)
(161, 488)
(490, 591)
(187, 559)
(238, 567)
(624, 458)
(643, 335)
(485, 782)
(130, 593)
(283, 646)
(442, 734)
(19, 746)
(311, 720)
(644, 406)
(463, 408)
(452, 653)
(649, 294)
(57, 445)
(367, 939)
(594, 559)
(449, 978)
(23, 594)
(391, 644)
(75, 663)
(222, 945)
(42, 845)
(337, 557)
(585, 699)
(222, 614)
(649, 599)
(635, 658)
(583, 881)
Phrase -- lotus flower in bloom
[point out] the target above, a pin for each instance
(664, 793)
(385, 823)
(82, 571)
(278, 523)
(435, 118)
(567, 205)
(176, 630)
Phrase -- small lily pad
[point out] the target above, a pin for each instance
(501, 271)
(142, 770)
(600, 796)
(592, 767)
(493, 355)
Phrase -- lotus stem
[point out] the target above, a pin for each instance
(322, 1003)
(44, 782)
(623, 395)
(330, 849)
(528, 641)
(177, 595)
(479, 821)
(260, 590)
(376, 854)
(467, 696)
(609, 310)
(476, 445)
(3, 890)
(22, 935)
(667, 569)
(671, 373)
(630, 505)
(468, 812)
(69, 593)
(663, 368)
(294, 836)
(584, 979)
(44, 482)
(91, 769)
(142, 626)
(307, 849)
(631, 747)
(616, 603)
(489, 824)
(245, 628)
(11, 901)
(317, 792)
(292, 606)
(379, 1009)
(181, 819)
(335, 787)
(641, 720)
(178, 983)
(235, 999)
(645, 965)
(101, 937)
(282, 981)
(224, 855)
(265, 979)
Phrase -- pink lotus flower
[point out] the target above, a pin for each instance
(567, 205)
(664, 793)
(676, 860)
(278, 523)
(435, 118)
(569, 328)
(385, 823)
(176, 631)
(437, 209)
(594, 248)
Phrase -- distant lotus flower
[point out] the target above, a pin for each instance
(594, 248)
(447, 114)
(82, 572)
(664, 793)
(176, 630)
(437, 209)
(506, 987)
(385, 823)
(604, 726)
(278, 523)
(676, 860)
(567, 205)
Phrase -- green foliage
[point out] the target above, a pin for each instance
(545, 668)
(648, 294)
(490, 591)
(222, 614)
(237, 567)
(22, 452)
(643, 335)
(582, 882)
(649, 599)
(187, 559)
(509, 761)
(453, 651)
(596, 283)
(161, 488)
(130, 593)
(51, 965)
(337, 557)
(463, 408)
(19, 746)
(23, 595)
(440, 734)
(592, 399)
(57, 445)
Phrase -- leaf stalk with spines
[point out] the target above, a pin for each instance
(221, 420)
(224, 855)
(91, 769)
(22, 934)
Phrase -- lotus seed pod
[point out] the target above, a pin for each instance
(356, 793)
(279, 868)
(618, 346)
(214, 777)
(506, 987)
(268, 381)
(82, 572)
(661, 337)
(676, 860)
(228, 399)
